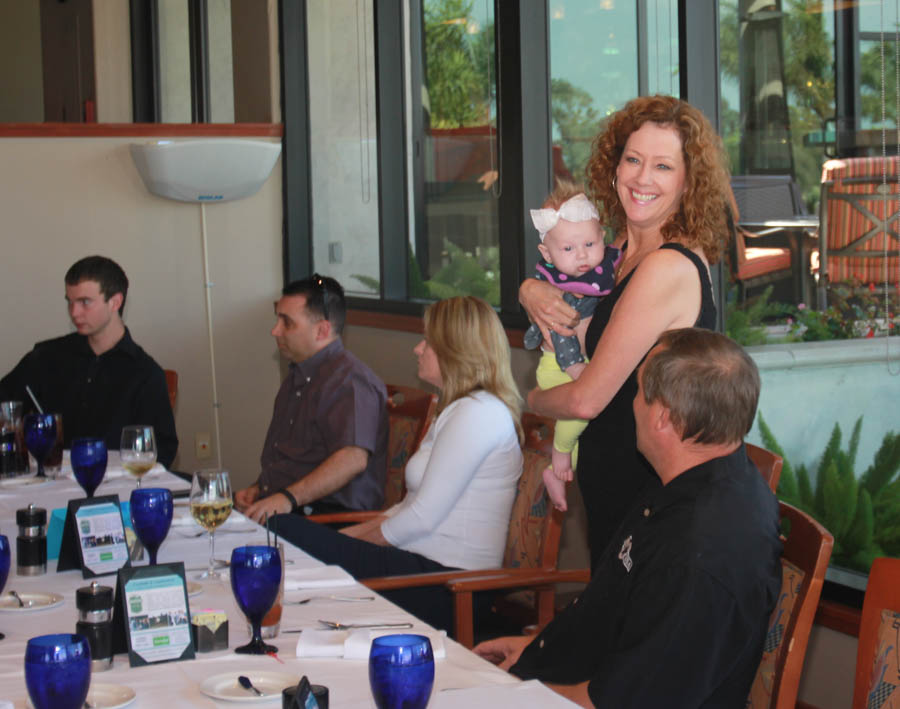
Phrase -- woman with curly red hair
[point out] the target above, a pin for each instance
(657, 171)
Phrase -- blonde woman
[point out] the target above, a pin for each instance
(462, 480)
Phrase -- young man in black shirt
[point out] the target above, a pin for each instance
(96, 377)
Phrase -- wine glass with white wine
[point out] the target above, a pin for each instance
(138, 450)
(210, 505)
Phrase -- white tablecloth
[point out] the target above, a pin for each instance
(177, 683)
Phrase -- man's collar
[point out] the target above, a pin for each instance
(692, 481)
(308, 368)
(125, 345)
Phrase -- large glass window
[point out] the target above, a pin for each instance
(455, 235)
(342, 144)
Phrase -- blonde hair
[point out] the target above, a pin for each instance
(472, 352)
(562, 192)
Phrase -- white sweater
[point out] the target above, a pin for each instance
(460, 486)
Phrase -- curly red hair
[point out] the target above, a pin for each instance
(700, 220)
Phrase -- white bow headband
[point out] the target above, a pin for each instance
(576, 209)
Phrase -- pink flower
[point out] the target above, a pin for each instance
(801, 306)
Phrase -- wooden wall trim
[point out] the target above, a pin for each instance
(140, 130)
(836, 616)
(412, 323)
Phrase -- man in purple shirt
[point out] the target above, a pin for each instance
(326, 447)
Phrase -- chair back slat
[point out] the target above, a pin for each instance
(807, 549)
(172, 386)
(535, 525)
(768, 463)
(877, 648)
(410, 412)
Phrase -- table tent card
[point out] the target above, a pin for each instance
(93, 538)
(152, 617)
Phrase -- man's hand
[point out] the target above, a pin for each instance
(267, 507)
(246, 497)
(503, 652)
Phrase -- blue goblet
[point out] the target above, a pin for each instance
(58, 671)
(401, 671)
(4, 565)
(255, 580)
(89, 462)
(151, 516)
(40, 435)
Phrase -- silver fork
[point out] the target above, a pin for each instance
(347, 599)
(331, 625)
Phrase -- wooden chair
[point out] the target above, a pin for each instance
(532, 546)
(768, 463)
(879, 635)
(807, 549)
(172, 385)
(858, 234)
(410, 412)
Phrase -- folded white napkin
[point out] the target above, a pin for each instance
(355, 644)
(183, 518)
(321, 577)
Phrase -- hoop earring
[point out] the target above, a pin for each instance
(614, 182)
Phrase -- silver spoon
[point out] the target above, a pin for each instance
(247, 684)
(22, 604)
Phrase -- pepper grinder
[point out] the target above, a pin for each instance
(95, 605)
(31, 544)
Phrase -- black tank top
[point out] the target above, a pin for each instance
(611, 472)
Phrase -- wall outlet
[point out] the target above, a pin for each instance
(202, 444)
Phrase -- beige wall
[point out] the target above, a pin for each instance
(62, 199)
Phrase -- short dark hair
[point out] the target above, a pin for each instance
(108, 274)
(707, 381)
(324, 299)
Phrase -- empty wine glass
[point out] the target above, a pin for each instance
(4, 565)
(401, 671)
(255, 580)
(138, 450)
(40, 435)
(211, 504)
(151, 517)
(89, 459)
(58, 671)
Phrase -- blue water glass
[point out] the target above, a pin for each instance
(4, 565)
(255, 580)
(401, 671)
(151, 516)
(89, 462)
(40, 435)
(58, 671)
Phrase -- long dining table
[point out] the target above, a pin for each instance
(461, 677)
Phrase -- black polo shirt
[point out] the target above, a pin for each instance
(96, 395)
(677, 610)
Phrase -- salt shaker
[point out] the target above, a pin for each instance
(95, 607)
(31, 544)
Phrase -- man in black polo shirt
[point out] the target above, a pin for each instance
(96, 377)
(677, 610)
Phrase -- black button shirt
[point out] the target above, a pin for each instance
(96, 395)
(677, 610)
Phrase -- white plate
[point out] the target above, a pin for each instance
(39, 602)
(194, 588)
(24, 480)
(110, 696)
(225, 686)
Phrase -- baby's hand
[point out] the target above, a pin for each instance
(556, 489)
